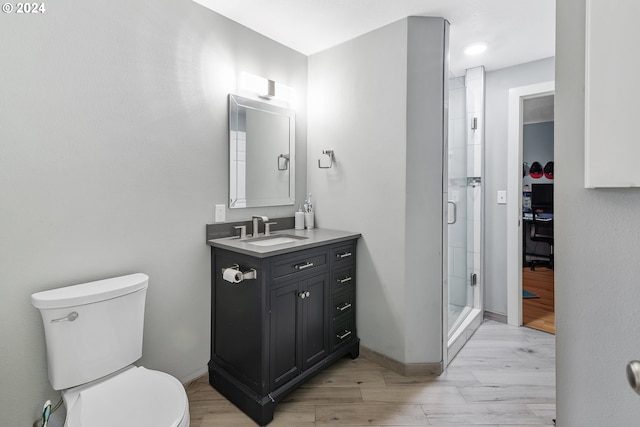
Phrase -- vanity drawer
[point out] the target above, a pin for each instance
(343, 305)
(343, 255)
(299, 263)
(343, 279)
(343, 333)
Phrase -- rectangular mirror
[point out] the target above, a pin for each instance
(261, 154)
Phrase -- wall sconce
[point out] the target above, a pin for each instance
(265, 88)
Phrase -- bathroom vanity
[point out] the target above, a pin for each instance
(284, 311)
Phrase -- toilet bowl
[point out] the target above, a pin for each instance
(93, 333)
(135, 396)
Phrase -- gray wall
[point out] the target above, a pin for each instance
(537, 146)
(426, 186)
(113, 152)
(498, 84)
(381, 111)
(596, 241)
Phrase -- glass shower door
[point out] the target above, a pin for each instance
(460, 289)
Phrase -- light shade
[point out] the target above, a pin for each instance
(252, 83)
(265, 88)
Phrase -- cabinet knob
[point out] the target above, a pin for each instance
(304, 295)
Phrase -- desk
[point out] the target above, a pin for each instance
(535, 250)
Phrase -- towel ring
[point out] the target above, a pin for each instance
(330, 154)
(286, 162)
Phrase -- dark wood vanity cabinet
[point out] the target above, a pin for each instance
(273, 333)
(299, 327)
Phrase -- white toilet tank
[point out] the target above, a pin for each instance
(92, 329)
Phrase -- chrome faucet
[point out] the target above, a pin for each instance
(256, 219)
(243, 231)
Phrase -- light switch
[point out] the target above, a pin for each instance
(220, 213)
(502, 197)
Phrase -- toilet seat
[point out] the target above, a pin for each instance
(136, 397)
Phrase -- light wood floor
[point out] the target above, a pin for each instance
(504, 376)
(539, 313)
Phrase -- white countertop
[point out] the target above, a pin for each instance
(314, 237)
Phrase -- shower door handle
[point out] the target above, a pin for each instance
(455, 212)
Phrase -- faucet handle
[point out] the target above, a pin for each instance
(243, 230)
(267, 227)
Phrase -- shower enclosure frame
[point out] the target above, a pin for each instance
(466, 186)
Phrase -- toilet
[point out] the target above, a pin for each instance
(93, 333)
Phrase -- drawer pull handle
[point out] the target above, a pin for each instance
(303, 266)
(344, 307)
(345, 280)
(343, 255)
(344, 335)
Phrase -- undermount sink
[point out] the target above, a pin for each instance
(275, 239)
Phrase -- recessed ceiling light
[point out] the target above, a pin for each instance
(475, 48)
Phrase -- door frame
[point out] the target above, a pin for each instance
(517, 96)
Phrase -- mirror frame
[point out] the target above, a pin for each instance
(236, 104)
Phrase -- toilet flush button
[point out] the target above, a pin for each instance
(68, 318)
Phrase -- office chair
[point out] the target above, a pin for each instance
(542, 231)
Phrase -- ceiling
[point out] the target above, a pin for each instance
(516, 31)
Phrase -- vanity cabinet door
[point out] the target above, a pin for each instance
(299, 327)
(315, 320)
(285, 318)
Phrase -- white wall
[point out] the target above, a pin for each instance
(382, 114)
(498, 84)
(426, 188)
(113, 152)
(596, 275)
(364, 122)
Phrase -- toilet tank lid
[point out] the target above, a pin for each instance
(90, 292)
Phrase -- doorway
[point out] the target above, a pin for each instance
(537, 207)
(517, 219)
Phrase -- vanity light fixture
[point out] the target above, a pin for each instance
(475, 48)
(271, 90)
(265, 88)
